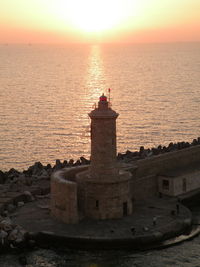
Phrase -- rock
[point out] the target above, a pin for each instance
(84, 161)
(35, 169)
(71, 162)
(12, 171)
(3, 235)
(77, 163)
(28, 196)
(120, 156)
(23, 179)
(6, 225)
(141, 149)
(194, 142)
(31, 243)
(13, 235)
(155, 151)
(20, 204)
(65, 164)
(4, 213)
(3, 177)
(43, 175)
(58, 165)
(22, 260)
(48, 167)
(129, 154)
(11, 207)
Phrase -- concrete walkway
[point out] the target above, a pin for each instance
(153, 221)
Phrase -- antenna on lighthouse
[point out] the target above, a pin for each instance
(109, 95)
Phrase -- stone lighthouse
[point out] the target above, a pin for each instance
(106, 189)
(100, 191)
(103, 142)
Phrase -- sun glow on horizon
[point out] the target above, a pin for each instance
(99, 20)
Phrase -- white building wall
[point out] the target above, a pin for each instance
(180, 184)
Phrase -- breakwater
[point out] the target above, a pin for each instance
(38, 169)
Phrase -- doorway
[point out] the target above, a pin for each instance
(125, 209)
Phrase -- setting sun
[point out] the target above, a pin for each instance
(94, 16)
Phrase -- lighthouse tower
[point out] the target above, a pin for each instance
(104, 190)
(103, 142)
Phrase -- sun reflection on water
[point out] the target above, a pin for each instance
(96, 81)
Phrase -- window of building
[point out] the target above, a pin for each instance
(97, 204)
(184, 185)
(125, 209)
(165, 184)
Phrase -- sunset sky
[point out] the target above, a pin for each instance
(61, 21)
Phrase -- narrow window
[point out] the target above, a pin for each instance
(97, 204)
(125, 209)
(184, 185)
(165, 184)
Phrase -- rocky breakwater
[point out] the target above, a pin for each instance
(149, 152)
(16, 189)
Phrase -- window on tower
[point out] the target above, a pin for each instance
(97, 204)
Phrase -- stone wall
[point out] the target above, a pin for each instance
(168, 161)
(64, 200)
(105, 199)
(146, 171)
(64, 204)
(144, 187)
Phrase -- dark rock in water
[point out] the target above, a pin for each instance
(58, 165)
(194, 142)
(155, 151)
(65, 164)
(47, 167)
(35, 169)
(12, 173)
(84, 161)
(77, 163)
(141, 149)
(120, 156)
(128, 154)
(71, 162)
(135, 154)
(142, 152)
(58, 162)
(187, 144)
(2, 177)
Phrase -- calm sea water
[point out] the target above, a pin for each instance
(46, 93)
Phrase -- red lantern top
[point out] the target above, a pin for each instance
(103, 98)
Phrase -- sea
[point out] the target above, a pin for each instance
(46, 93)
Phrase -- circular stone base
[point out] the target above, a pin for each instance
(152, 222)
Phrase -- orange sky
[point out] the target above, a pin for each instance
(58, 21)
